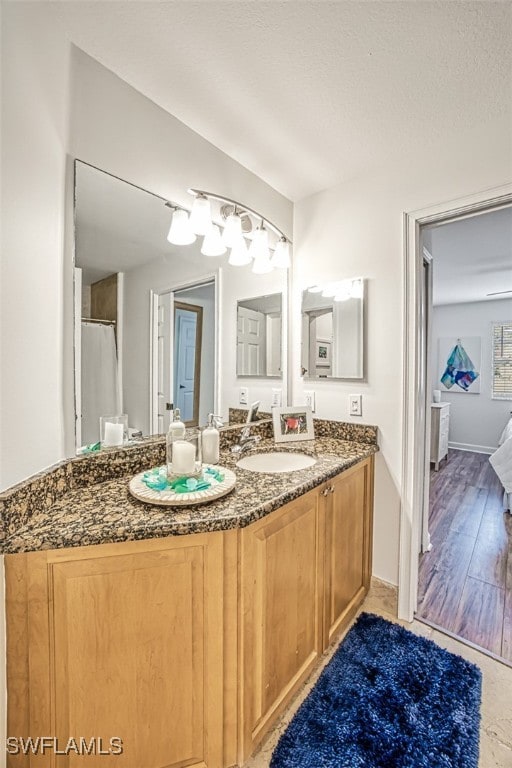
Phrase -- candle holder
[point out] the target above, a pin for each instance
(113, 430)
(184, 455)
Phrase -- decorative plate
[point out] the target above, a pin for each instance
(169, 497)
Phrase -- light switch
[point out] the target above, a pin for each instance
(277, 397)
(243, 397)
(355, 405)
(309, 399)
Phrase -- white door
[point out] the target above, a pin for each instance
(164, 378)
(185, 331)
(251, 339)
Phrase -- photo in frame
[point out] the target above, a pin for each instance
(291, 424)
(323, 352)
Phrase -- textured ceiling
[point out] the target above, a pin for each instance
(307, 94)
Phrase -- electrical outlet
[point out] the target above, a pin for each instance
(309, 399)
(355, 405)
(243, 397)
(277, 397)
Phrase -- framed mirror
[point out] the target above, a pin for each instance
(333, 331)
(259, 347)
(150, 328)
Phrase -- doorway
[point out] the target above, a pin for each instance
(414, 414)
(188, 334)
(184, 353)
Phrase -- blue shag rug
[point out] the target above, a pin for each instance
(387, 699)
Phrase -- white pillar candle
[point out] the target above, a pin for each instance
(183, 457)
(113, 434)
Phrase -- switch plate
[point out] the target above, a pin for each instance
(309, 399)
(355, 405)
(243, 397)
(277, 397)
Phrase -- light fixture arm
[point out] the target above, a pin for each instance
(239, 207)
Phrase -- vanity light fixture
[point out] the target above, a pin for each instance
(240, 223)
(201, 215)
(212, 243)
(281, 257)
(180, 232)
(239, 255)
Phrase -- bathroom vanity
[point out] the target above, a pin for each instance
(183, 632)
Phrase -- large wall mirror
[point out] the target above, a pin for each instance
(259, 336)
(333, 331)
(151, 332)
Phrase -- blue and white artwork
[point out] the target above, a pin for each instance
(459, 364)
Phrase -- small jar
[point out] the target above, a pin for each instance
(184, 455)
(113, 430)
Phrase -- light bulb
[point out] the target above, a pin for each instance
(281, 257)
(356, 290)
(180, 232)
(212, 243)
(239, 255)
(259, 245)
(232, 229)
(201, 215)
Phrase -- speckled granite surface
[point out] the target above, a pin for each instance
(86, 500)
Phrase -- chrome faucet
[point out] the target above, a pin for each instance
(246, 441)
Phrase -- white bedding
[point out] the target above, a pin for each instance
(501, 461)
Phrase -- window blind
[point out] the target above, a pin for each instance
(502, 361)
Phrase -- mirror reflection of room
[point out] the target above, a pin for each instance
(149, 322)
(333, 331)
(259, 332)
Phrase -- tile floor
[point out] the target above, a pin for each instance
(496, 724)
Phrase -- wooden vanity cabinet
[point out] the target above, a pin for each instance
(188, 648)
(347, 515)
(120, 640)
(304, 571)
(280, 612)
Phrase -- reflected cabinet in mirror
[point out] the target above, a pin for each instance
(259, 336)
(148, 324)
(333, 331)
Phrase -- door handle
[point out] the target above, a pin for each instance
(182, 386)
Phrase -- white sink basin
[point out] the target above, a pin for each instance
(276, 461)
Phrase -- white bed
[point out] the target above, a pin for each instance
(501, 461)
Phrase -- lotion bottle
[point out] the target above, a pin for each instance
(211, 441)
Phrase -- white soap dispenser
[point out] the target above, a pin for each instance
(211, 441)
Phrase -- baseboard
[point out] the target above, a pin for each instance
(473, 448)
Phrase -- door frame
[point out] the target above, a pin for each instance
(198, 311)
(413, 414)
(154, 294)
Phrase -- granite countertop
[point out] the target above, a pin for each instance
(106, 512)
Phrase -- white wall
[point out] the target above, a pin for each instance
(113, 127)
(35, 74)
(476, 420)
(356, 228)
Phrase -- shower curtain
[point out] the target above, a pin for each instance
(100, 385)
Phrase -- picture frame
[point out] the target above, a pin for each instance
(293, 423)
(323, 352)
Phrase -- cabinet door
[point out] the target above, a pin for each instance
(280, 612)
(347, 516)
(132, 649)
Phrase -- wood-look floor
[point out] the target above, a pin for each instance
(465, 581)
